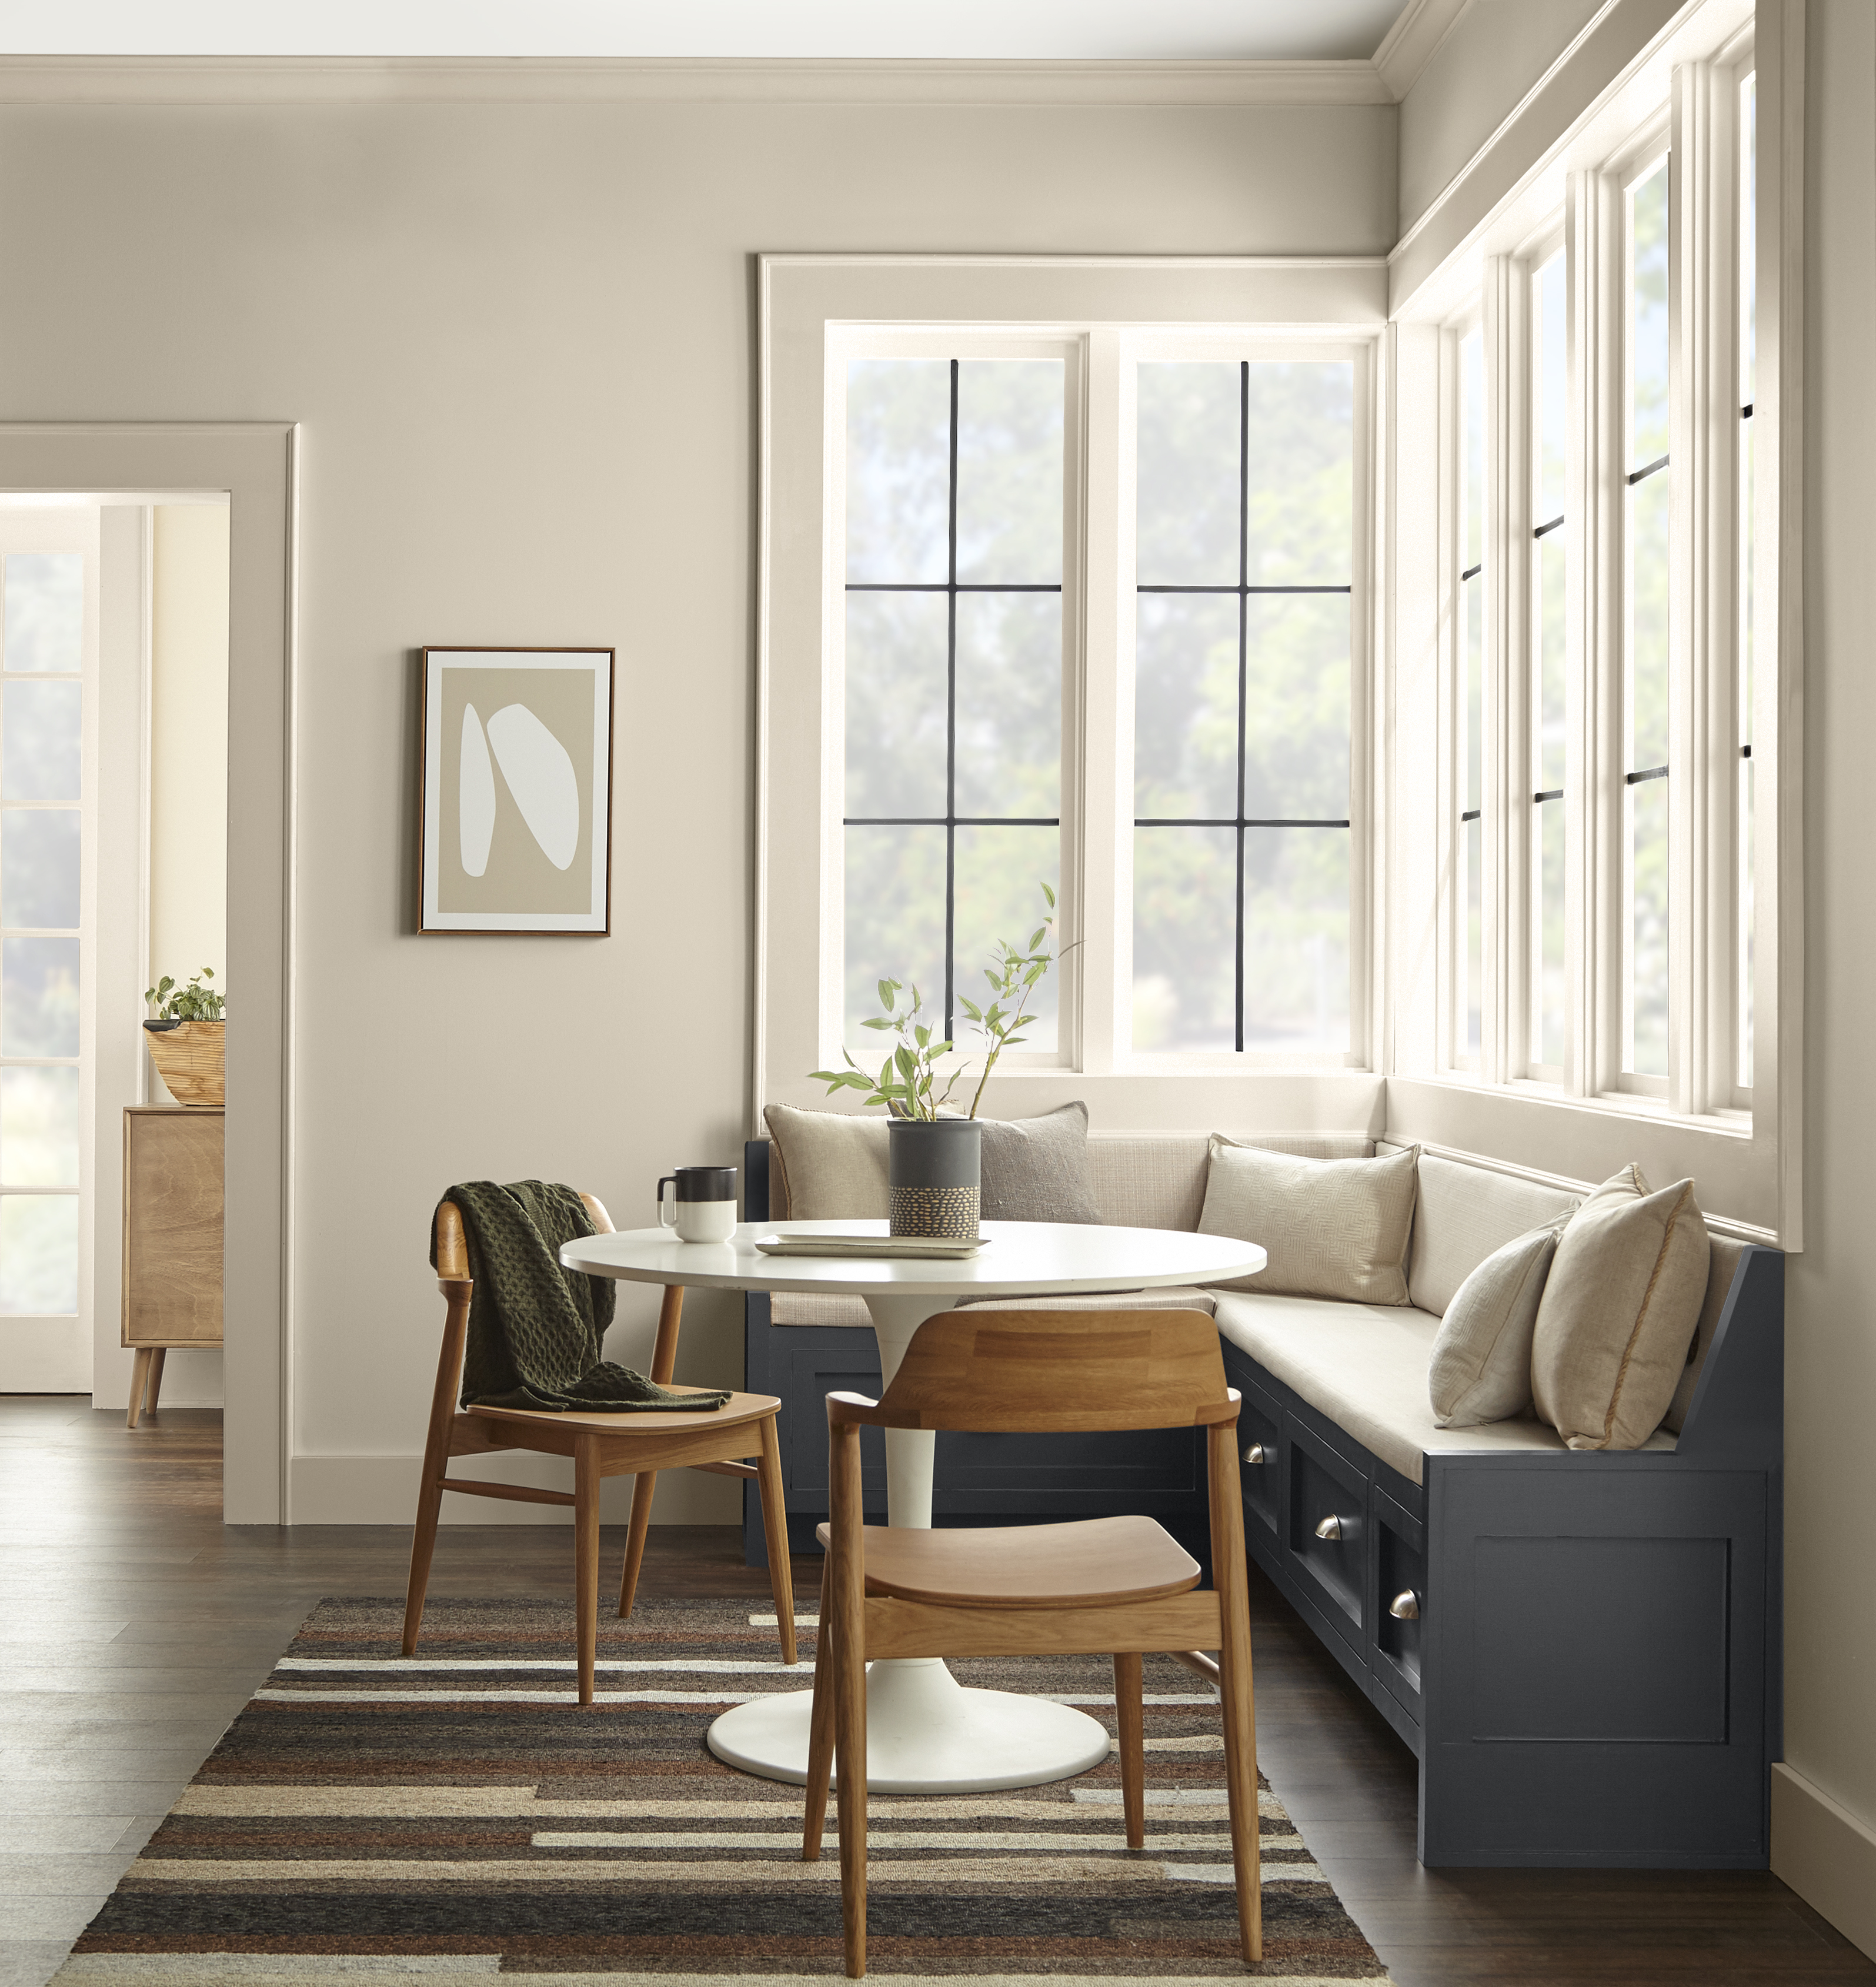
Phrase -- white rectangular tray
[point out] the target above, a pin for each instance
(876, 1246)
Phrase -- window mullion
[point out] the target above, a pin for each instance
(1501, 1046)
(1594, 491)
(1701, 443)
(1099, 978)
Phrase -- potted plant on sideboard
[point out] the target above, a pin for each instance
(934, 1154)
(185, 1040)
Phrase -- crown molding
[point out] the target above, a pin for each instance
(372, 79)
(1411, 42)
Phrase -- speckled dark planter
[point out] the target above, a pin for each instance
(933, 1170)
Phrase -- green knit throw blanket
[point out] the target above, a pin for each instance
(536, 1329)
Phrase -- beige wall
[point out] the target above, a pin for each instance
(1496, 50)
(518, 339)
(1830, 1362)
(188, 741)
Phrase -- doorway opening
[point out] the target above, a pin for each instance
(114, 617)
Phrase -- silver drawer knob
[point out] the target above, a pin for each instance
(1256, 1453)
(1330, 1528)
(1405, 1607)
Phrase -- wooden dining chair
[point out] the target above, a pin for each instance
(640, 1445)
(1107, 1586)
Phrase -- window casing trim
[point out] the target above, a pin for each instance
(1707, 1114)
(1276, 301)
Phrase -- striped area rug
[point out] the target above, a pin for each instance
(460, 1816)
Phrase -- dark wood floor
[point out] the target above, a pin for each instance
(133, 1625)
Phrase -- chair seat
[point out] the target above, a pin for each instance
(1097, 1562)
(738, 1408)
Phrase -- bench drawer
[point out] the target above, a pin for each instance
(1260, 1441)
(1398, 1558)
(1324, 1485)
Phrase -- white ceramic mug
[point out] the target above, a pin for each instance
(703, 1203)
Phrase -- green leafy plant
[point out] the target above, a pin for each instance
(907, 1084)
(193, 1002)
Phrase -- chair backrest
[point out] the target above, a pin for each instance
(453, 1246)
(1035, 1372)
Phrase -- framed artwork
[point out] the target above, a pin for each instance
(517, 806)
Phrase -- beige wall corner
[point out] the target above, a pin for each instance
(1826, 1854)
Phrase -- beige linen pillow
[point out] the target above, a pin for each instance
(1620, 1307)
(833, 1163)
(1480, 1370)
(1332, 1228)
(1036, 1169)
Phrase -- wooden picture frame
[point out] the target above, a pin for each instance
(516, 792)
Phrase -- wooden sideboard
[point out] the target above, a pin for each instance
(172, 1238)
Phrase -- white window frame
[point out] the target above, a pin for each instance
(1120, 309)
(1741, 1146)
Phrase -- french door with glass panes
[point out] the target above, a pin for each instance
(48, 566)
(976, 659)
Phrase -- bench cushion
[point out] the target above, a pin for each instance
(1724, 1267)
(1364, 1366)
(1463, 1213)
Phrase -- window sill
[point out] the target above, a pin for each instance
(1613, 1104)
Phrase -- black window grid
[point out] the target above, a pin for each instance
(1241, 823)
(950, 820)
(1635, 476)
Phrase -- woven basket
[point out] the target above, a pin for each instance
(189, 1058)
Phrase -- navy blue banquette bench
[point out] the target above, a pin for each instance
(1581, 1649)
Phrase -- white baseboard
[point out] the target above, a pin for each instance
(1826, 1854)
(381, 1490)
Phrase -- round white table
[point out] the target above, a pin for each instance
(925, 1733)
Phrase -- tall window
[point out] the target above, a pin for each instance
(1244, 561)
(1627, 684)
(954, 569)
(1468, 841)
(1549, 1014)
(43, 652)
(1747, 342)
(1645, 646)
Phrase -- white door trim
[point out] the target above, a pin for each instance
(255, 462)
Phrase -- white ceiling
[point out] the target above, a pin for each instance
(1072, 30)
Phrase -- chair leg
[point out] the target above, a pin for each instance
(1241, 1786)
(820, 1732)
(140, 1379)
(843, 1623)
(423, 1544)
(643, 1486)
(849, 1663)
(586, 1556)
(775, 1532)
(1130, 1706)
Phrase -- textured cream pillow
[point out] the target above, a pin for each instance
(1620, 1304)
(833, 1163)
(1481, 1364)
(1332, 1228)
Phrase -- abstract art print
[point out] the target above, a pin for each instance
(517, 790)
